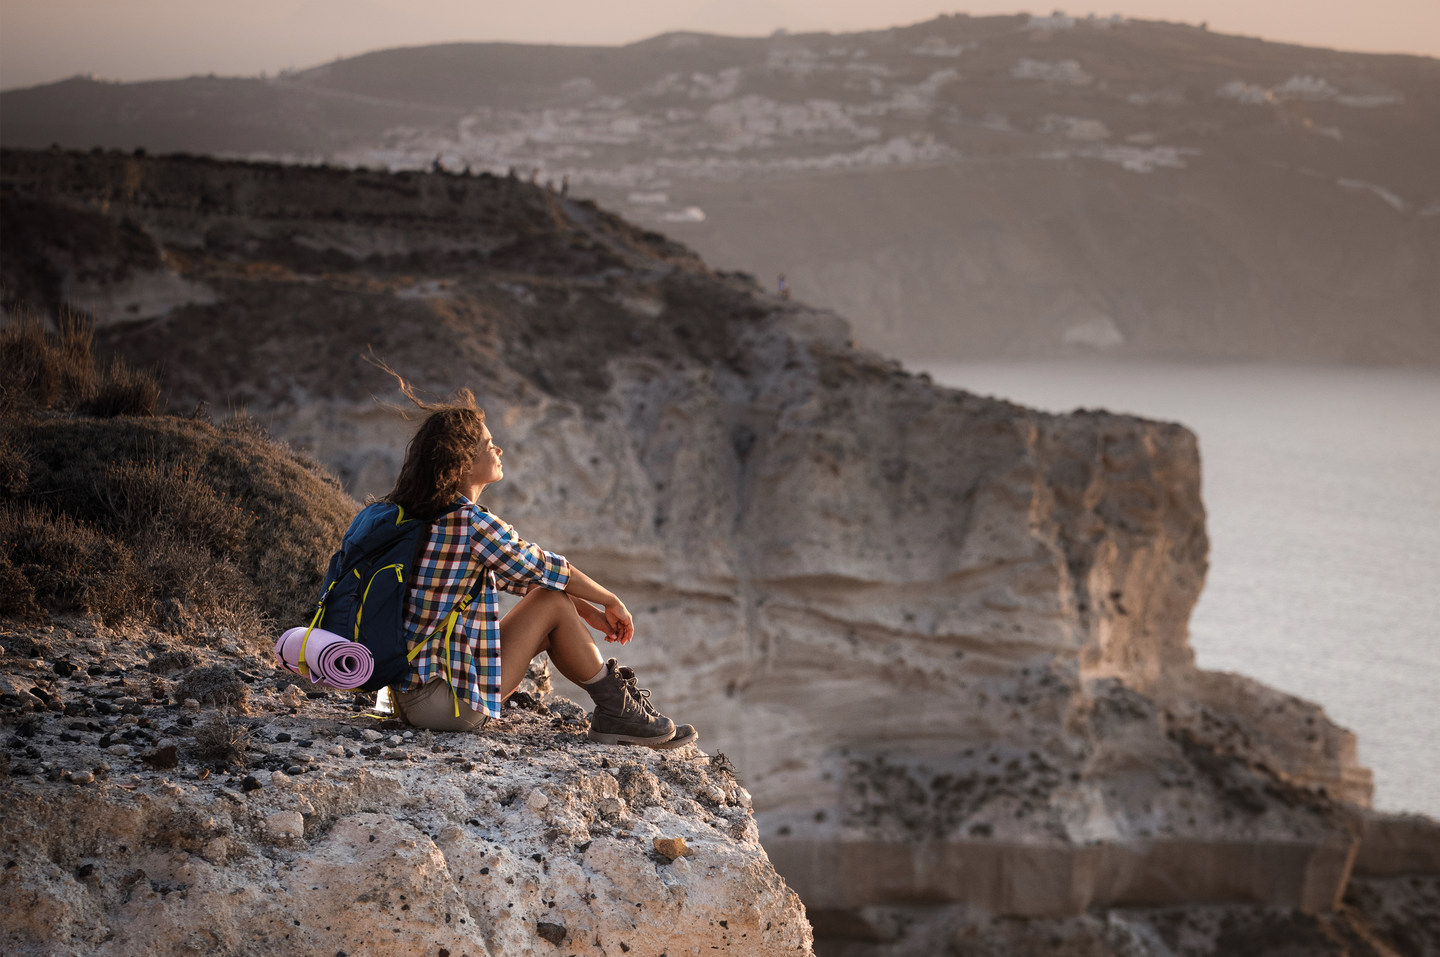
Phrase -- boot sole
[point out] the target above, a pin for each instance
(690, 738)
(656, 741)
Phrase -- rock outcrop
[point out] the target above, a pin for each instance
(308, 828)
(932, 630)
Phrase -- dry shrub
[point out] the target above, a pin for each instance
(17, 595)
(194, 590)
(44, 368)
(218, 685)
(14, 467)
(122, 390)
(68, 565)
(114, 512)
(222, 741)
(168, 662)
(243, 423)
(55, 369)
(143, 499)
(228, 525)
(53, 563)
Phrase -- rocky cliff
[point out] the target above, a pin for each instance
(943, 638)
(139, 822)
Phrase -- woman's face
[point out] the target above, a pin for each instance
(486, 467)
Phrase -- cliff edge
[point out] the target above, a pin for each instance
(942, 637)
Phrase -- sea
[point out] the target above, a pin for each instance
(1322, 492)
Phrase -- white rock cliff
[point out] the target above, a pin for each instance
(943, 638)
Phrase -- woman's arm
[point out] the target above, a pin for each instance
(617, 623)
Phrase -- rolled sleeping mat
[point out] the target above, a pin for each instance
(334, 662)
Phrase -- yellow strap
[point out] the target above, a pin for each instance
(360, 612)
(303, 668)
(449, 675)
(450, 621)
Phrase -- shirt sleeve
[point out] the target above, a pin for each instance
(517, 564)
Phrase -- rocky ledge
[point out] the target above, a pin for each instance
(258, 819)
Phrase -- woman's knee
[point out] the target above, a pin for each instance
(555, 602)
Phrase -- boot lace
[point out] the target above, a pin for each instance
(641, 696)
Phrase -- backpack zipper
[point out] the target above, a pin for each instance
(399, 577)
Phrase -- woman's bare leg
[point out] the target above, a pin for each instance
(546, 620)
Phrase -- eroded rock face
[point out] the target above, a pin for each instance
(913, 617)
(526, 839)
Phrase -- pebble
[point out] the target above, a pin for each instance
(338, 751)
(537, 800)
(285, 826)
(215, 851)
(280, 779)
(673, 847)
(119, 750)
(394, 740)
(82, 777)
(554, 933)
(191, 704)
(371, 735)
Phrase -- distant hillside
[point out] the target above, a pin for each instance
(961, 188)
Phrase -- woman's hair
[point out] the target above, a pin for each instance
(440, 454)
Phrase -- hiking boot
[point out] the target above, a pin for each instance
(623, 714)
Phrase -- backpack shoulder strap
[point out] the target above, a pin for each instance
(445, 628)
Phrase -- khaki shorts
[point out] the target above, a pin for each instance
(433, 707)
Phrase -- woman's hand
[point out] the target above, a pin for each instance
(619, 625)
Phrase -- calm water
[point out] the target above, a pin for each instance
(1322, 486)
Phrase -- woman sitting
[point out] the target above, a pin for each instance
(449, 463)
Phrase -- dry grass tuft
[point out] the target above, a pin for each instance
(168, 662)
(222, 741)
(55, 369)
(217, 685)
(14, 467)
(46, 369)
(143, 499)
(122, 390)
(66, 565)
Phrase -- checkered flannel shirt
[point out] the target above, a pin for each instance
(464, 541)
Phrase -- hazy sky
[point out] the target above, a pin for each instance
(46, 40)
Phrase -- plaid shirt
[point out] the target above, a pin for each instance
(462, 542)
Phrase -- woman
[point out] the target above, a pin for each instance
(449, 463)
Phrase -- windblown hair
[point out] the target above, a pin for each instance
(440, 454)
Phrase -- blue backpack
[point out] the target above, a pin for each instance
(363, 597)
